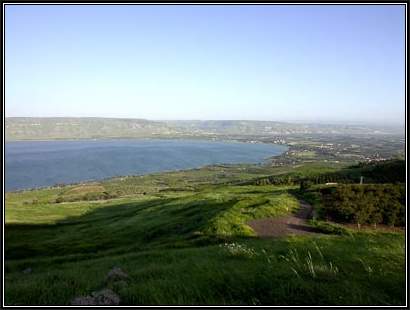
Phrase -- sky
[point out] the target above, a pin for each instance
(260, 62)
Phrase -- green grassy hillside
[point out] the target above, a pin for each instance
(182, 238)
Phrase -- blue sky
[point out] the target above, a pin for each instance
(315, 63)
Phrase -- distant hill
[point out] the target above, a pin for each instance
(237, 127)
(34, 128)
(249, 127)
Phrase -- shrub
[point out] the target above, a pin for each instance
(370, 203)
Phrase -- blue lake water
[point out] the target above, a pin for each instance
(30, 164)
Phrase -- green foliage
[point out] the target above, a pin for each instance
(232, 221)
(307, 266)
(344, 271)
(86, 197)
(171, 245)
(390, 171)
(370, 203)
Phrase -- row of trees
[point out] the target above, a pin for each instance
(298, 179)
(276, 180)
(392, 171)
(365, 204)
(389, 171)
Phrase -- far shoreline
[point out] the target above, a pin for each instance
(252, 140)
(204, 139)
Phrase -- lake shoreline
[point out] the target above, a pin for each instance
(277, 150)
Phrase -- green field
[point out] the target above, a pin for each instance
(181, 237)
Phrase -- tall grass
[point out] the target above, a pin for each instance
(305, 265)
(189, 247)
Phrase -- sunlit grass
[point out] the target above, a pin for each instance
(189, 247)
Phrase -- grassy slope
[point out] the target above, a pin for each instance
(171, 239)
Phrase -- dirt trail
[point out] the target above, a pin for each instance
(285, 225)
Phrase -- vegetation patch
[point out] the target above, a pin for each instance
(361, 204)
(191, 247)
(232, 222)
(330, 228)
(85, 192)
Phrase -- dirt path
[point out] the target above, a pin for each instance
(285, 225)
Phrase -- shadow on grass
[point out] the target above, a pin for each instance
(304, 228)
(126, 226)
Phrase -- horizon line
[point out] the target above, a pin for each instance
(323, 121)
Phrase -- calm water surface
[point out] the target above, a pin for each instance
(44, 163)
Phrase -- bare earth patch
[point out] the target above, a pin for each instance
(285, 225)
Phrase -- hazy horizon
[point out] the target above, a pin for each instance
(295, 121)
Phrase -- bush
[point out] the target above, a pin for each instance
(361, 204)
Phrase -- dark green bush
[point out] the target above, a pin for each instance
(365, 204)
